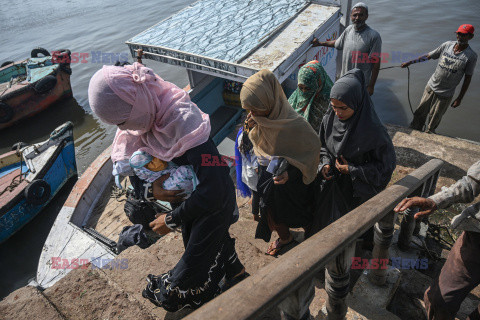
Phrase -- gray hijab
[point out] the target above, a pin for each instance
(364, 131)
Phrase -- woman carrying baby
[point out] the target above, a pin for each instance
(158, 118)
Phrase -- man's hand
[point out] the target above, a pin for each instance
(316, 43)
(406, 64)
(456, 103)
(166, 195)
(427, 205)
(342, 165)
(281, 179)
(324, 171)
(158, 225)
(370, 90)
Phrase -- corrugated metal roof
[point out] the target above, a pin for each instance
(226, 30)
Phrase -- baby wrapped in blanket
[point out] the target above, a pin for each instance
(149, 169)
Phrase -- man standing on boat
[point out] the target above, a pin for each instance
(457, 60)
(461, 272)
(361, 46)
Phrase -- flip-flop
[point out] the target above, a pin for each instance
(276, 246)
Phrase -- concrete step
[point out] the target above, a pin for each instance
(88, 294)
(28, 303)
(371, 300)
(355, 312)
(414, 148)
(155, 260)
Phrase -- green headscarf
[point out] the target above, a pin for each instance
(309, 75)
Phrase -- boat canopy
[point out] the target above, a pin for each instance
(234, 39)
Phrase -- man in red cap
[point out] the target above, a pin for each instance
(456, 60)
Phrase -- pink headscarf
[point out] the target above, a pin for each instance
(153, 115)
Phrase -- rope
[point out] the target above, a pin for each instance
(435, 232)
(13, 184)
(408, 84)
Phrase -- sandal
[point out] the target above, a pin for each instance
(275, 247)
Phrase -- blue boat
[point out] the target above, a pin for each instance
(31, 176)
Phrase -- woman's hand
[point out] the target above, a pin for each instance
(249, 121)
(159, 193)
(281, 179)
(342, 165)
(158, 225)
(324, 171)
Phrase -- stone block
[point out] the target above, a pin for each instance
(87, 294)
(27, 303)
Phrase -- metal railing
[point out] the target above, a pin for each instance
(257, 294)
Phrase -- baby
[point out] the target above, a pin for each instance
(149, 169)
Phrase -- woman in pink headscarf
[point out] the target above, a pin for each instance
(157, 117)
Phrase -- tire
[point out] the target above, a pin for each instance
(36, 51)
(37, 192)
(19, 145)
(6, 113)
(45, 84)
(6, 63)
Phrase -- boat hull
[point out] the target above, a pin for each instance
(16, 211)
(25, 101)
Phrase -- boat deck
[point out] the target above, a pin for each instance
(6, 181)
(108, 216)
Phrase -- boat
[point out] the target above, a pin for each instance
(91, 219)
(31, 85)
(31, 175)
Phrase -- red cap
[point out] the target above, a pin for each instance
(466, 28)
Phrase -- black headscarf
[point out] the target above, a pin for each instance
(363, 131)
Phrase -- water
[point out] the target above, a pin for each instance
(417, 28)
(85, 27)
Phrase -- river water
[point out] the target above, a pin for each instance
(101, 28)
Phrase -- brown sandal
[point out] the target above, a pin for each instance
(275, 247)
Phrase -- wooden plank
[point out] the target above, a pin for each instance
(8, 158)
(5, 182)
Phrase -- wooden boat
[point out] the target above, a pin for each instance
(31, 176)
(88, 225)
(29, 86)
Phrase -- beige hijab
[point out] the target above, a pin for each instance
(283, 132)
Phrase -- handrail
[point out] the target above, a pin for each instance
(257, 294)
